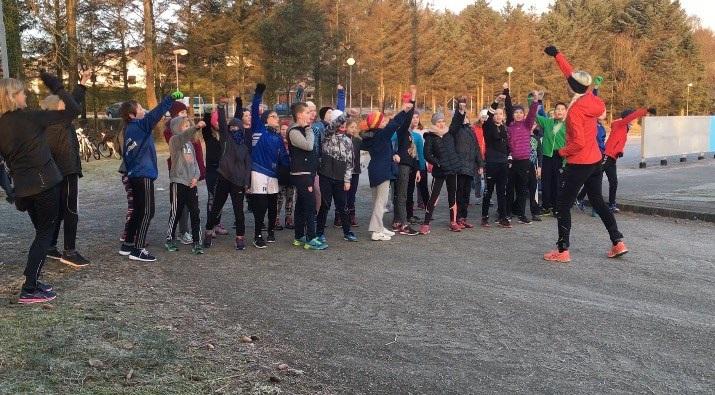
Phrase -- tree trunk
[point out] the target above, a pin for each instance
(149, 44)
(123, 60)
(58, 39)
(414, 33)
(72, 44)
(11, 17)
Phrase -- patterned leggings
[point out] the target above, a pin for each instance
(286, 197)
(130, 206)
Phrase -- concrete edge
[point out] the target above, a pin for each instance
(666, 212)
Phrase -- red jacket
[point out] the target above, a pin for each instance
(479, 134)
(198, 150)
(619, 133)
(581, 146)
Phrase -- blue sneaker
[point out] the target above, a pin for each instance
(581, 205)
(299, 242)
(322, 239)
(350, 236)
(315, 244)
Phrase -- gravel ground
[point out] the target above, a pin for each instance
(474, 312)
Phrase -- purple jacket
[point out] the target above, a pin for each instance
(520, 134)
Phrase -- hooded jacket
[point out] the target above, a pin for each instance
(466, 145)
(138, 146)
(336, 159)
(62, 138)
(185, 166)
(23, 144)
(269, 151)
(378, 142)
(198, 149)
(235, 163)
(619, 133)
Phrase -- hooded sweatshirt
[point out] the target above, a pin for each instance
(269, 150)
(185, 166)
(198, 150)
(336, 159)
(235, 163)
(138, 145)
(378, 142)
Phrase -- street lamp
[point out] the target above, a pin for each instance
(509, 70)
(177, 52)
(351, 63)
(687, 100)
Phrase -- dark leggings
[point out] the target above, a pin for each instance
(67, 213)
(572, 179)
(437, 183)
(224, 188)
(304, 206)
(550, 180)
(211, 180)
(464, 189)
(609, 167)
(261, 204)
(497, 174)
(423, 188)
(182, 196)
(332, 190)
(130, 208)
(43, 209)
(143, 193)
(352, 194)
(518, 183)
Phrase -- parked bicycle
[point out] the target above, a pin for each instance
(87, 149)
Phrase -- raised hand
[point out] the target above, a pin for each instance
(177, 95)
(260, 88)
(52, 83)
(200, 125)
(551, 50)
(506, 85)
(413, 91)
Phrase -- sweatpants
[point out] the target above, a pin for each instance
(224, 188)
(403, 181)
(67, 214)
(143, 193)
(130, 208)
(352, 193)
(43, 209)
(304, 206)
(496, 174)
(182, 196)
(550, 170)
(380, 196)
(518, 184)
(464, 190)
(263, 203)
(437, 182)
(286, 200)
(572, 179)
(333, 190)
(609, 167)
(211, 180)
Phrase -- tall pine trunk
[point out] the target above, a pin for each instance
(72, 44)
(149, 44)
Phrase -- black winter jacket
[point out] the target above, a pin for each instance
(441, 153)
(496, 139)
(235, 163)
(23, 144)
(62, 139)
(466, 145)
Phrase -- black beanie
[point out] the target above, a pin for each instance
(323, 111)
(577, 86)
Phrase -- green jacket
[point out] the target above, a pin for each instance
(554, 134)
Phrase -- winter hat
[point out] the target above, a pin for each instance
(234, 122)
(626, 112)
(323, 111)
(406, 97)
(176, 124)
(436, 117)
(484, 113)
(374, 119)
(50, 102)
(176, 107)
(519, 107)
(335, 115)
(579, 81)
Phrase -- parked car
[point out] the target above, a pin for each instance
(113, 110)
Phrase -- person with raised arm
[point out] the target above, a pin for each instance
(496, 165)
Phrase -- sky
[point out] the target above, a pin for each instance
(703, 9)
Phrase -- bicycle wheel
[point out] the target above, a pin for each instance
(95, 151)
(104, 149)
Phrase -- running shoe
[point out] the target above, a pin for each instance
(142, 255)
(220, 230)
(485, 222)
(271, 237)
(524, 220)
(465, 224)
(36, 296)
(546, 212)
(299, 242)
(581, 204)
(556, 256)
(259, 243)
(388, 232)
(614, 209)
(322, 239)
(54, 253)
(277, 225)
(170, 246)
(354, 221)
(414, 219)
(240, 243)
(74, 259)
(186, 239)
(44, 287)
(208, 238)
(198, 249)
(350, 236)
(618, 250)
(454, 227)
(289, 223)
(505, 223)
(408, 231)
(125, 249)
(379, 236)
(536, 218)
(425, 229)
(315, 244)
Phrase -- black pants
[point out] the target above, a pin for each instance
(143, 194)
(423, 188)
(464, 189)
(304, 206)
(400, 200)
(67, 213)
(496, 174)
(330, 190)
(533, 190)
(572, 179)
(550, 180)
(437, 182)
(352, 193)
(477, 184)
(182, 196)
(211, 180)
(224, 188)
(262, 204)
(518, 184)
(43, 209)
(609, 167)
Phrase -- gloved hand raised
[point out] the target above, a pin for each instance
(260, 88)
(551, 50)
(52, 83)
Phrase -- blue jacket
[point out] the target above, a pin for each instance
(601, 137)
(138, 147)
(419, 144)
(341, 100)
(269, 151)
(378, 142)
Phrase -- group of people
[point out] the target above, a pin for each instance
(305, 166)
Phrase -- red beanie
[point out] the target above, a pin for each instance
(406, 97)
(374, 119)
(176, 107)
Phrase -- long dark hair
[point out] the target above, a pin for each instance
(127, 108)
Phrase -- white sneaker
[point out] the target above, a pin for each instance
(186, 239)
(388, 232)
(379, 236)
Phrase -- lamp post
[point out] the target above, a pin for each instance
(687, 100)
(509, 70)
(177, 52)
(351, 63)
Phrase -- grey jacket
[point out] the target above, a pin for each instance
(183, 158)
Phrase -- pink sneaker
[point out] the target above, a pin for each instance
(220, 230)
(425, 229)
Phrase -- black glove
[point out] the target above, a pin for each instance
(652, 111)
(260, 88)
(52, 83)
(551, 50)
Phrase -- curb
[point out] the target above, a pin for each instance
(666, 212)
